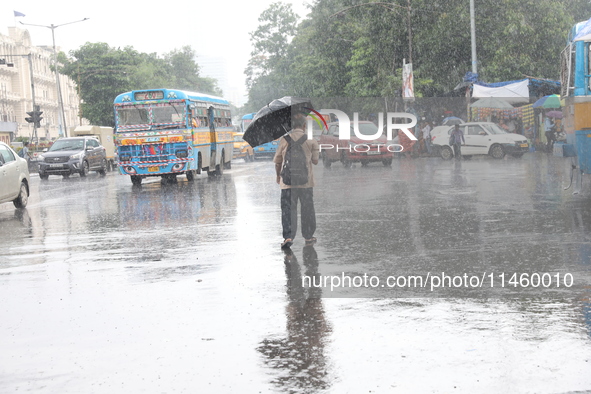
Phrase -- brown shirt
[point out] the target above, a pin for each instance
(311, 150)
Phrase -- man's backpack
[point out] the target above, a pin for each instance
(295, 168)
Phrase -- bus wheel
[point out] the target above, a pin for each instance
(219, 169)
(136, 180)
(199, 163)
(191, 175)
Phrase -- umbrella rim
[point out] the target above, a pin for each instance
(542, 100)
(560, 113)
(273, 107)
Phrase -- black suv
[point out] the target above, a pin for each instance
(73, 155)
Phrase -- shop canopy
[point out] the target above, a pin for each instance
(515, 92)
(583, 30)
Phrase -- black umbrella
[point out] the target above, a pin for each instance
(274, 120)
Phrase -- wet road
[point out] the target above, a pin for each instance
(107, 288)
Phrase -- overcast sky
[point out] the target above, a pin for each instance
(212, 28)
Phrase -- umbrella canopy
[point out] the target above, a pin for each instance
(551, 101)
(452, 120)
(554, 114)
(274, 120)
(491, 102)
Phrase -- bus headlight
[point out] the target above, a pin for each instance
(130, 170)
(181, 153)
(178, 167)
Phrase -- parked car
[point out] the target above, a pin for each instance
(482, 138)
(354, 150)
(72, 155)
(105, 137)
(242, 149)
(14, 177)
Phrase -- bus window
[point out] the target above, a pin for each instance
(168, 114)
(132, 116)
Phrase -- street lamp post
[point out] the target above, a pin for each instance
(57, 77)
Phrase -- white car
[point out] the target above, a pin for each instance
(14, 177)
(481, 138)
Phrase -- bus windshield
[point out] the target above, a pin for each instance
(169, 114)
(140, 115)
(129, 116)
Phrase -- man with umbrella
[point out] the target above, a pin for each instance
(290, 194)
(549, 129)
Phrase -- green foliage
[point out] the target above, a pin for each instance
(102, 72)
(356, 47)
(270, 41)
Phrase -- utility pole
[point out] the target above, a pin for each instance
(410, 33)
(35, 109)
(473, 37)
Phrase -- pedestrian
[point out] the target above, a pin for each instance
(291, 194)
(456, 140)
(511, 126)
(549, 131)
(24, 153)
(427, 137)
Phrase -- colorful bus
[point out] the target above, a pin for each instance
(575, 89)
(264, 150)
(168, 132)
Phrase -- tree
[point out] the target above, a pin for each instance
(184, 72)
(267, 69)
(102, 72)
(356, 47)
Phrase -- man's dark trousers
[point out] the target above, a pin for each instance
(289, 212)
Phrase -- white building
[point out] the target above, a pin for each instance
(16, 90)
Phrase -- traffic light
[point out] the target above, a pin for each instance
(35, 117)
